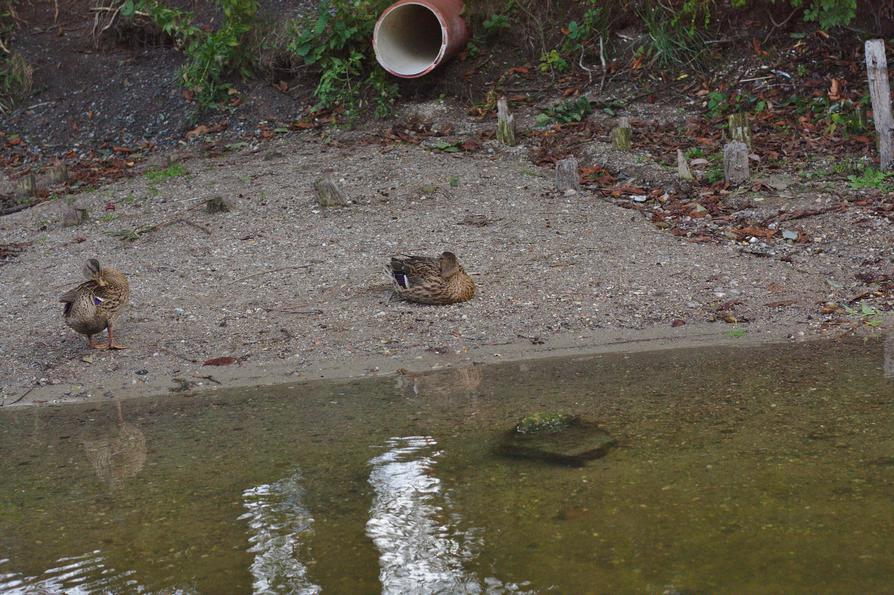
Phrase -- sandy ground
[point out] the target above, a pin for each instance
(293, 291)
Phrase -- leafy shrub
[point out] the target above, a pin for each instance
(578, 34)
(827, 13)
(570, 110)
(212, 55)
(337, 41)
(872, 178)
(552, 61)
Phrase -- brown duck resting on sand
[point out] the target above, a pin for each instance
(92, 306)
(435, 280)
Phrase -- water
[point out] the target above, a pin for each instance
(760, 469)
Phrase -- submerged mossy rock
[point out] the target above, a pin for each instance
(556, 438)
(544, 422)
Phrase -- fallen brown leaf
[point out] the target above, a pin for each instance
(220, 361)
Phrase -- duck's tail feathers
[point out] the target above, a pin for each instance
(397, 277)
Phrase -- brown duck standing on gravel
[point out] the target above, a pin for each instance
(92, 306)
(436, 280)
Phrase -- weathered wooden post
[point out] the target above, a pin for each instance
(880, 93)
(739, 128)
(683, 171)
(27, 185)
(505, 123)
(567, 176)
(329, 194)
(216, 204)
(621, 135)
(735, 162)
(58, 174)
(72, 216)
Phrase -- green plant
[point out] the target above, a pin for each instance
(496, 23)
(174, 170)
(675, 36)
(15, 80)
(108, 217)
(212, 55)
(868, 315)
(336, 40)
(872, 178)
(442, 145)
(717, 103)
(570, 110)
(552, 61)
(829, 13)
(578, 34)
(715, 173)
(737, 333)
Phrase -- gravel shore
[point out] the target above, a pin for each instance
(291, 290)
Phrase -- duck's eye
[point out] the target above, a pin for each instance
(97, 300)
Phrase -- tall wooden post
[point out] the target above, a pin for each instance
(880, 93)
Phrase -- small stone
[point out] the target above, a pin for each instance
(142, 372)
(641, 198)
(790, 235)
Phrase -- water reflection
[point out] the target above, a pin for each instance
(456, 387)
(420, 548)
(889, 355)
(116, 452)
(278, 522)
(87, 573)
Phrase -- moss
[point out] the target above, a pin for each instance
(544, 423)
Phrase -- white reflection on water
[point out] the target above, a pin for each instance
(74, 575)
(419, 550)
(278, 520)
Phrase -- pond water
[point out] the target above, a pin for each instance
(731, 469)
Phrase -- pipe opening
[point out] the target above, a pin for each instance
(409, 40)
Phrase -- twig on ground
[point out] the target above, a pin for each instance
(790, 216)
(602, 60)
(777, 25)
(18, 208)
(27, 392)
(210, 378)
(196, 225)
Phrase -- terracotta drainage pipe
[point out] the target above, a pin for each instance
(413, 36)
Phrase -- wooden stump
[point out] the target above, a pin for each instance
(622, 135)
(216, 204)
(73, 216)
(880, 93)
(567, 176)
(740, 129)
(735, 162)
(58, 174)
(683, 171)
(329, 194)
(505, 123)
(27, 186)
